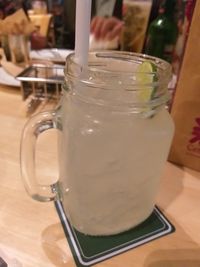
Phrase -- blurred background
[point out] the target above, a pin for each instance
(43, 31)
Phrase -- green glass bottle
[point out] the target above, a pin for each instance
(162, 32)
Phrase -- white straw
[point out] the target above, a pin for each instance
(83, 17)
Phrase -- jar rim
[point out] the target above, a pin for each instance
(106, 71)
(116, 55)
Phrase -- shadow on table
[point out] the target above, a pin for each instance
(56, 249)
(183, 252)
(171, 185)
(193, 173)
(174, 258)
(55, 246)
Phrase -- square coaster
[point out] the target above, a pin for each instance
(90, 250)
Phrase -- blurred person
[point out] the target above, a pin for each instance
(106, 20)
(105, 27)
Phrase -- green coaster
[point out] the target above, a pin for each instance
(90, 250)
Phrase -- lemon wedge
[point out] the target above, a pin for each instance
(145, 76)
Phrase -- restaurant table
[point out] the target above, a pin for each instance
(31, 233)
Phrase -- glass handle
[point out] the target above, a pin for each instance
(34, 127)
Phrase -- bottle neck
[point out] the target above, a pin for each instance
(168, 7)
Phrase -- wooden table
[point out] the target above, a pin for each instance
(31, 233)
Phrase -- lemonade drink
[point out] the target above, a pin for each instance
(113, 147)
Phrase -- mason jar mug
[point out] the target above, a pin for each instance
(114, 137)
